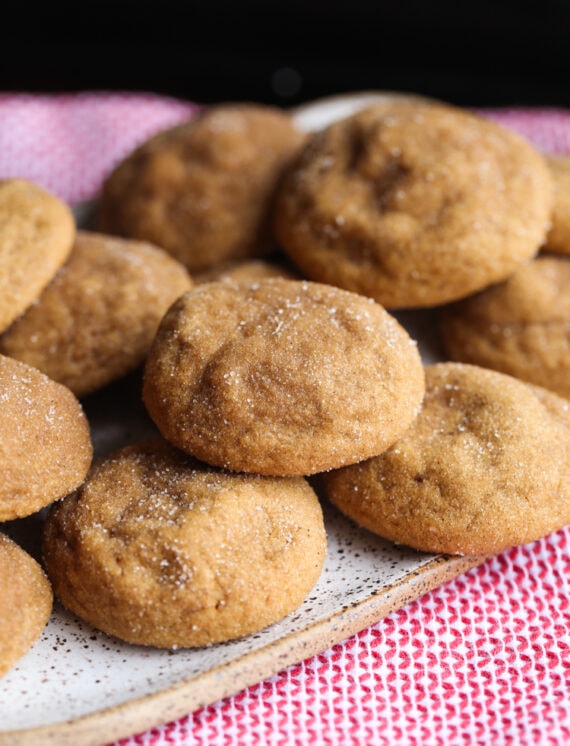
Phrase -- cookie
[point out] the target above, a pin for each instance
(27, 601)
(558, 237)
(202, 190)
(520, 327)
(45, 442)
(36, 235)
(485, 466)
(414, 204)
(283, 378)
(158, 549)
(96, 320)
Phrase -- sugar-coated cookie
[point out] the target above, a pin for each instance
(45, 442)
(520, 326)
(158, 549)
(283, 377)
(485, 466)
(558, 236)
(36, 235)
(26, 602)
(202, 190)
(413, 203)
(96, 319)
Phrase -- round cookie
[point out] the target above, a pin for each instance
(282, 377)
(520, 327)
(36, 235)
(413, 203)
(27, 601)
(485, 466)
(558, 237)
(45, 443)
(96, 320)
(202, 190)
(159, 549)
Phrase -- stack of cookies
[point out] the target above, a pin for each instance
(254, 273)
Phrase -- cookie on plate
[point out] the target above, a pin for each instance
(485, 466)
(202, 190)
(158, 549)
(96, 319)
(36, 235)
(27, 601)
(520, 327)
(558, 237)
(45, 442)
(283, 377)
(413, 203)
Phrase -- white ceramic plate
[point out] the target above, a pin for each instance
(316, 114)
(79, 687)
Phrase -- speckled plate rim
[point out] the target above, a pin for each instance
(186, 696)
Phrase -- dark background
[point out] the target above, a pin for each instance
(510, 52)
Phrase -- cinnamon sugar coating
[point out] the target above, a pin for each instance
(520, 326)
(485, 466)
(282, 377)
(45, 442)
(414, 204)
(36, 234)
(96, 319)
(203, 190)
(26, 605)
(159, 549)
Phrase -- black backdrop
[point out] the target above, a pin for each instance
(477, 53)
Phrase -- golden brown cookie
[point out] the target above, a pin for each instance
(485, 466)
(414, 204)
(36, 235)
(281, 378)
(520, 327)
(96, 320)
(159, 549)
(202, 190)
(26, 605)
(558, 237)
(45, 443)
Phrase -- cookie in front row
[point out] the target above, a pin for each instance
(96, 319)
(282, 377)
(485, 466)
(158, 549)
(26, 602)
(520, 326)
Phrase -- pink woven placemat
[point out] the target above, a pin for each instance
(482, 660)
